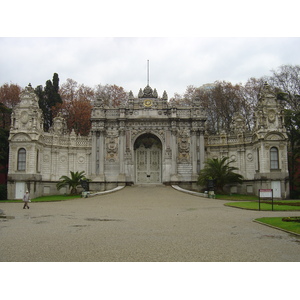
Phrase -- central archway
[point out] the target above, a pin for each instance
(148, 149)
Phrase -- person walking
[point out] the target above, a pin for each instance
(26, 199)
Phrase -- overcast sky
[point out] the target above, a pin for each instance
(205, 42)
(174, 63)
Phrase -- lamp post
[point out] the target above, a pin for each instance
(211, 186)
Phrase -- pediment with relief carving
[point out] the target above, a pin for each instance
(274, 137)
(21, 137)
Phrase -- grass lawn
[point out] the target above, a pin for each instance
(279, 205)
(277, 222)
(55, 198)
(236, 197)
(48, 198)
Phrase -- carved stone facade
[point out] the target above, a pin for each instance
(146, 141)
(116, 137)
(260, 154)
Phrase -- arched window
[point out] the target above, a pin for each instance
(274, 161)
(22, 159)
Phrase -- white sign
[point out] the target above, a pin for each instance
(266, 193)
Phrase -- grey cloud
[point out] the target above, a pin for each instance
(175, 63)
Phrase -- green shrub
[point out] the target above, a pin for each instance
(3, 191)
(291, 219)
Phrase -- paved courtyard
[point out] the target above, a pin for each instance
(142, 223)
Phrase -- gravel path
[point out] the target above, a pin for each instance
(141, 223)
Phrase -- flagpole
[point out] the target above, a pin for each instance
(148, 72)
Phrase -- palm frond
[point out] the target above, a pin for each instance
(220, 171)
(72, 182)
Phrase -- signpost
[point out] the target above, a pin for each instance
(211, 186)
(86, 188)
(266, 193)
(85, 185)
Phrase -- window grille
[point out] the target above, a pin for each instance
(274, 162)
(22, 159)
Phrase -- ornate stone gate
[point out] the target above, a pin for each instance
(145, 140)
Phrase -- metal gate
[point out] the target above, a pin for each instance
(148, 164)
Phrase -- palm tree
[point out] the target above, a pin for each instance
(73, 182)
(220, 171)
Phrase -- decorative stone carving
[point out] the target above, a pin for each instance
(128, 155)
(266, 96)
(46, 158)
(238, 124)
(249, 156)
(272, 116)
(21, 138)
(183, 146)
(111, 148)
(168, 153)
(196, 101)
(269, 114)
(63, 159)
(148, 92)
(274, 137)
(27, 116)
(99, 102)
(59, 125)
(111, 142)
(29, 98)
(24, 117)
(81, 160)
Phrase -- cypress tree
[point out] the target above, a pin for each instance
(48, 97)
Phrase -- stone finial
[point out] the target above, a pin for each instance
(130, 95)
(99, 102)
(266, 92)
(73, 134)
(140, 93)
(238, 123)
(196, 101)
(266, 86)
(148, 92)
(29, 88)
(165, 96)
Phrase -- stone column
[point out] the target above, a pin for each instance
(100, 146)
(194, 151)
(201, 149)
(94, 163)
(264, 158)
(174, 152)
(54, 158)
(122, 151)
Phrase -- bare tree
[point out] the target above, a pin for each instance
(287, 80)
(112, 95)
(248, 94)
(10, 94)
(76, 107)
